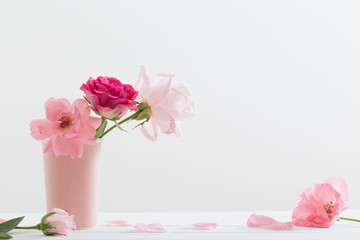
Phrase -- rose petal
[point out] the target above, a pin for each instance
(2, 220)
(151, 228)
(204, 226)
(150, 130)
(280, 226)
(95, 122)
(143, 83)
(340, 186)
(261, 221)
(163, 119)
(118, 223)
(41, 129)
(179, 105)
(160, 87)
(55, 107)
(82, 107)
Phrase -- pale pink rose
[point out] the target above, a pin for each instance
(168, 100)
(321, 205)
(67, 127)
(59, 222)
(109, 97)
(261, 221)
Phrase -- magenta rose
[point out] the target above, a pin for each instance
(109, 97)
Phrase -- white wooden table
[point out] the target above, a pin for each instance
(231, 225)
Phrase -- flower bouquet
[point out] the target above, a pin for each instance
(72, 138)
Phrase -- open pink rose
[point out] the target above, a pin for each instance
(58, 222)
(68, 127)
(169, 102)
(109, 97)
(321, 205)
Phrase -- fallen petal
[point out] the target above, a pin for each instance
(118, 223)
(280, 226)
(261, 221)
(204, 226)
(151, 228)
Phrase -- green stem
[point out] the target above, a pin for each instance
(101, 128)
(121, 122)
(349, 219)
(103, 120)
(38, 227)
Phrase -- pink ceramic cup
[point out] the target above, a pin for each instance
(73, 184)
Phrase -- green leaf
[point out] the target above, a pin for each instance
(5, 236)
(10, 225)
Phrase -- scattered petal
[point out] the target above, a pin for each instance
(261, 221)
(204, 226)
(118, 223)
(150, 228)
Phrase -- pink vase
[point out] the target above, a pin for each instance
(73, 184)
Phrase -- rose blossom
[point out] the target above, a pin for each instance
(109, 97)
(321, 205)
(59, 222)
(169, 103)
(68, 127)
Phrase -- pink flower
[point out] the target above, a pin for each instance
(2, 220)
(261, 221)
(168, 101)
(57, 222)
(68, 127)
(321, 205)
(109, 97)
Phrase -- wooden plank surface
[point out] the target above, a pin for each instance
(231, 225)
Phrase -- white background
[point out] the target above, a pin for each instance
(276, 86)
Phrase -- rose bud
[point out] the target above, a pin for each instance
(57, 222)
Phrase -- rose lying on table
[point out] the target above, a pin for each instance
(318, 207)
(56, 222)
